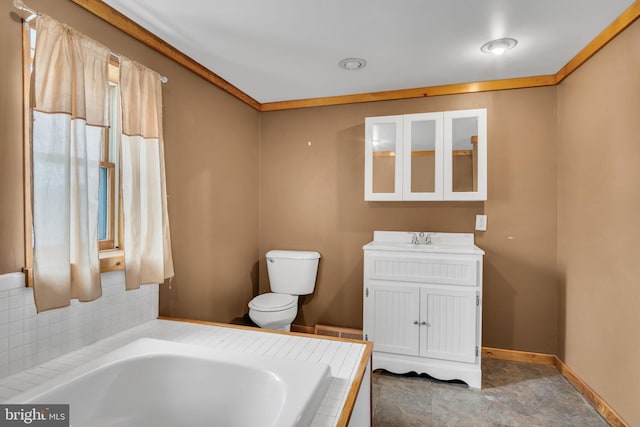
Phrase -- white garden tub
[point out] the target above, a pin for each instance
(160, 383)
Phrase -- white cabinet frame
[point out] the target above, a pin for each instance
(370, 122)
(437, 194)
(443, 153)
(481, 176)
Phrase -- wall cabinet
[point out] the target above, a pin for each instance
(427, 156)
(422, 305)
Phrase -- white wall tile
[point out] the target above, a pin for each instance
(4, 315)
(28, 338)
(4, 301)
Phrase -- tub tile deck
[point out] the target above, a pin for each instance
(342, 357)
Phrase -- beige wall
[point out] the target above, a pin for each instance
(311, 197)
(211, 149)
(599, 222)
(563, 197)
(11, 197)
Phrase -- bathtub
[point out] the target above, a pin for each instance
(160, 383)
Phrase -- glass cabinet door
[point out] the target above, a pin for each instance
(423, 153)
(383, 158)
(465, 155)
(426, 156)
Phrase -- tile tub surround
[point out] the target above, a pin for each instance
(343, 357)
(28, 339)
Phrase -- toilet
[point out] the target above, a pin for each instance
(291, 273)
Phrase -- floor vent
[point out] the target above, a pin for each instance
(336, 331)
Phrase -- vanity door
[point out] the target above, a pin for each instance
(392, 317)
(448, 324)
(423, 154)
(383, 158)
(465, 155)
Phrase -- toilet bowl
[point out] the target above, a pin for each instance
(291, 273)
(270, 311)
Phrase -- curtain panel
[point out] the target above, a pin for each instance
(70, 84)
(147, 242)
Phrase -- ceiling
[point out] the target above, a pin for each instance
(284, 50)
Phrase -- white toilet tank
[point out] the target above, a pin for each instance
(292, 272)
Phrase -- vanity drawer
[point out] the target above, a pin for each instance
(432, 269)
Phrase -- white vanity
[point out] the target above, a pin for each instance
(423, 304)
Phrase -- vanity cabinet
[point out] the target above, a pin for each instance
(426, 156)
(422, 305)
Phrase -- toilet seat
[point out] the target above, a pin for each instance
(273, 302)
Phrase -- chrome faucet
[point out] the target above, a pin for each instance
(421, 238)
(427, 240)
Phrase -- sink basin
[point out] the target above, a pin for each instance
(461, 243)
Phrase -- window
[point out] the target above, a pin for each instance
(74, 169)
(109, 220)
(110, 212)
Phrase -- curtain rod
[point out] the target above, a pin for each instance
(163, 79)
(19, 4)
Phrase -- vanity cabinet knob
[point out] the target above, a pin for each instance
(415, 322)
(424, 323)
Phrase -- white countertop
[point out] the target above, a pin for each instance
(450, 243)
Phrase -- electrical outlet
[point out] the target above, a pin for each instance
(481, 222)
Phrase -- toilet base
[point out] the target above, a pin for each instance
(275, 320)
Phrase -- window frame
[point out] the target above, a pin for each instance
(27, 61)
(110, 159)
(112, 255)
(110, 241)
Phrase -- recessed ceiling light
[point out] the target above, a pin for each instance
(499, 46)
(352, 64)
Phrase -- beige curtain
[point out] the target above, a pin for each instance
(70, 112)
(147, 243)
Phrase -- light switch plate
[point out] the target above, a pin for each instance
(481, 222)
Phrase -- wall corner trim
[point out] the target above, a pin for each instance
(607, 412)
(598, 403)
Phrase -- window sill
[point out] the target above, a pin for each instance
(111, 260)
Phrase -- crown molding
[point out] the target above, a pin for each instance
(118, 20)
(422, 92)
(126, 25)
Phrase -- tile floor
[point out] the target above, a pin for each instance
(513, 394)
